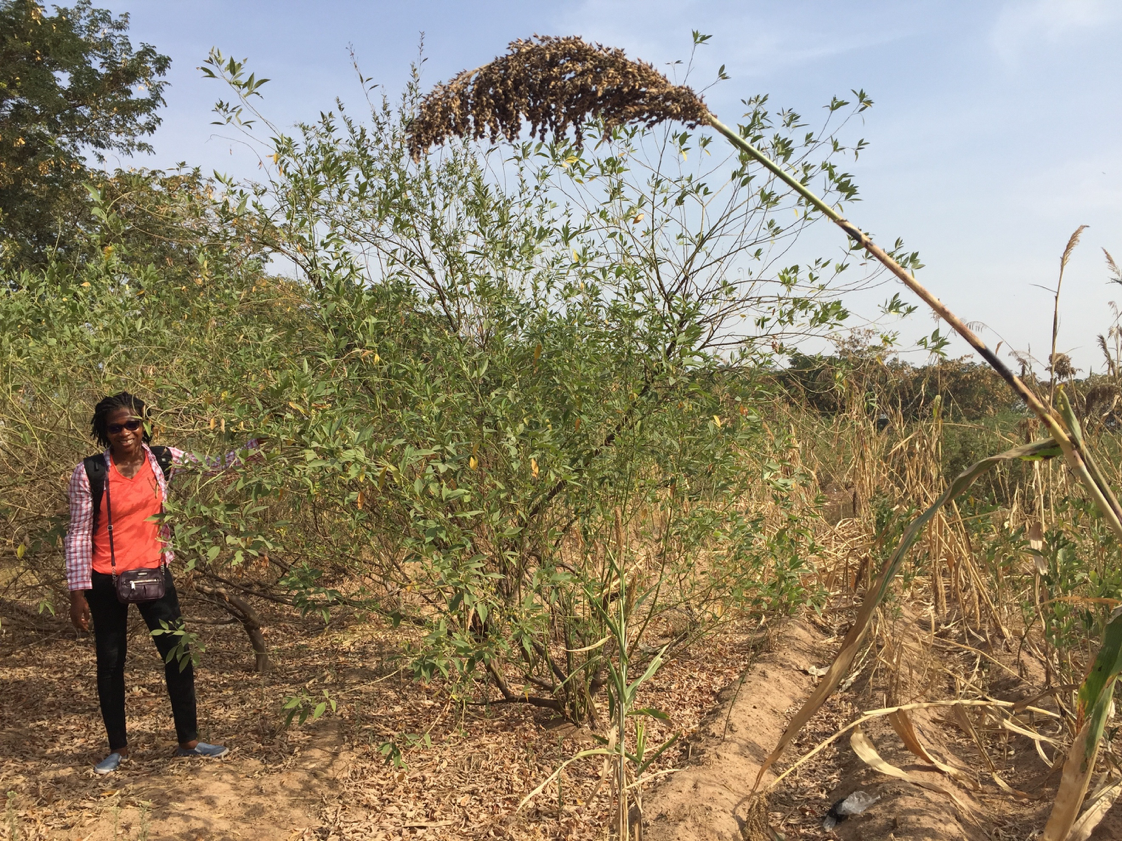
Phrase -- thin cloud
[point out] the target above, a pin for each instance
(1022, 25)
(751, 42)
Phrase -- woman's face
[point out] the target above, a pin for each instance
(124, 442)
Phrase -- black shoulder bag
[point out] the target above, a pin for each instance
(133, 585)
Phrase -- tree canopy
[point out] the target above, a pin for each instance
(71, 86)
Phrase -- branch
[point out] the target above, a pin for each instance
(512, 698)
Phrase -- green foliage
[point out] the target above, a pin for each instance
(194, 346)
(869, 379)
(187, 647)
(303, 707)
(70, 84)
(394, 750)
(515, 364)
(1080, 572)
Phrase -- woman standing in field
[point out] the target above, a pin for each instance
(114, 502)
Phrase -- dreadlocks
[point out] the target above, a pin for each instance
(102, 411)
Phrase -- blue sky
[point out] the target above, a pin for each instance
(997, 128)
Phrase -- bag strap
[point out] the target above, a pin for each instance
(164, 459)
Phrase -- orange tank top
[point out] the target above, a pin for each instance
(136, 534)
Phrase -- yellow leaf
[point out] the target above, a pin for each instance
(472, 462)
(212, 423)
(868, 754)
(637, 219)
(717, 420)
(86, 283)
(21, 551)
(534, 467)
(360, 500)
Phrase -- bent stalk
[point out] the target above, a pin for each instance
(557, 83)
(1072, 448)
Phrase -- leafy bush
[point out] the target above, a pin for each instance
(507, 401)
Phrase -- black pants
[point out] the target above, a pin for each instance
(110, 619)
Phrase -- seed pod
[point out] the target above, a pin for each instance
(554, 83)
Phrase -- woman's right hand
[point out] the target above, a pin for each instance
(79, 610)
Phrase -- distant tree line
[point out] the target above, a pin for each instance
(863, 380)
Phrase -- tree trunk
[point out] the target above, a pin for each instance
(247, 616)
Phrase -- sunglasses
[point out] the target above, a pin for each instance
(130, 425)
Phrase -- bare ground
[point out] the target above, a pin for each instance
(466, 768)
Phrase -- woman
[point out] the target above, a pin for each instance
(137, 488)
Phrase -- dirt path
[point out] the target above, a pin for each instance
(707, 799)
(234, 798)
(50, 737)
(466, 769)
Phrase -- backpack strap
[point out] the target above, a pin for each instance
(95, 473)
(163, 458)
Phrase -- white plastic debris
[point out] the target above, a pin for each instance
(855, 804)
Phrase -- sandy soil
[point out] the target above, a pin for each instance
(465, 769)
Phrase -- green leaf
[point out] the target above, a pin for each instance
(650, 711)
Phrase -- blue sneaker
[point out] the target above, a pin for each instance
(205, 750)
(109, 764)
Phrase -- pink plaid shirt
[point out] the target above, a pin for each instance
(79, 537)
